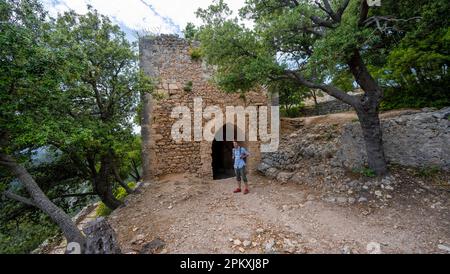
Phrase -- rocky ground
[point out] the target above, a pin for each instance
(304, 203)
(180, 214)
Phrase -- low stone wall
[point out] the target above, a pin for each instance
(414, 140)
(325, 108)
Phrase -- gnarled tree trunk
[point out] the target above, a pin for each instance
(368, 113)
(373, 138)
(135, 174)
(41, 201)
(121, 181)
(103, 186)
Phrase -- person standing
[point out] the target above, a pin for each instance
(240, 155)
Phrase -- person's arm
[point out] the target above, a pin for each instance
(245, 154)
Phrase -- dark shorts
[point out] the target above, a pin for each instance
(241, 174)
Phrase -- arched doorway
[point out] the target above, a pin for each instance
(222, 161)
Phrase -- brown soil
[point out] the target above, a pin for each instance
(192, 216)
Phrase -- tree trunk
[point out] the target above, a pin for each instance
(120, 181)
(316, 104)
(373, 138)
(368, 109)
(136, 175)
(41, 201)
(103, 186)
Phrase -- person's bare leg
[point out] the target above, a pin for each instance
(238, 179)
(244, 178)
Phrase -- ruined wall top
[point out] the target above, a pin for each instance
(166, 40)
(168, 53)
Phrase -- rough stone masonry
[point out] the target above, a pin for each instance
(414, 140)
(180, 78)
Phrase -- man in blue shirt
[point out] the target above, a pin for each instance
(240, 155)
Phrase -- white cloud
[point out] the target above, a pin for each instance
(182, 11)
(161, 16)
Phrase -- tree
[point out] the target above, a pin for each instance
(414, 72)
(291, 96)
(190, 31)
(130, 159)
(29, 87)
(295, 39)
(70, 85)
(101, 92)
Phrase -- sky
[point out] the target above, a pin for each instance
(157, 16)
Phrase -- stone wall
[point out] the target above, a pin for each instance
(329, 107)
(415, 140)
(167, 59)
(412, 139)
(327, 104)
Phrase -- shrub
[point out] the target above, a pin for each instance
(292, 112)
(196, 54)
(415, 97)
(428, 172)
(27, 236)
(120, 193)
(188, 86)
(367, 172)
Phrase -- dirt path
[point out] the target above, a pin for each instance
(192, 216)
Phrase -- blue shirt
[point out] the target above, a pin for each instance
(237, 153)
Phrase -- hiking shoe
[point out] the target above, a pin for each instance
(237, 190)
(246, 191)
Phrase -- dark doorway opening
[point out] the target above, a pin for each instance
(222, 160)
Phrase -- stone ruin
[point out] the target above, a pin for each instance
(180, 78)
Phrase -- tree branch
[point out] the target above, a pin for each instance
(328, 10)
(342, 9)
(321, 22)
(383, 27)
(331, 90)
(363, 12)
(13, 196)
(77, 195)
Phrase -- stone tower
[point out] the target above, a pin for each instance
(180, 78)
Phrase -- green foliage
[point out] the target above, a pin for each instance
(120, 193)
(407, 54)
(196, 53)
(292, 112)
(415, 97)
(103, 210)
(188, 86)
(72, 85)
(366, 172)
(25, 235)
(242, 58)
(29, 76)
(291, 97)
(190, 32)
(336, 46)
(415, 72)
(428, 172)
(129, 159)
